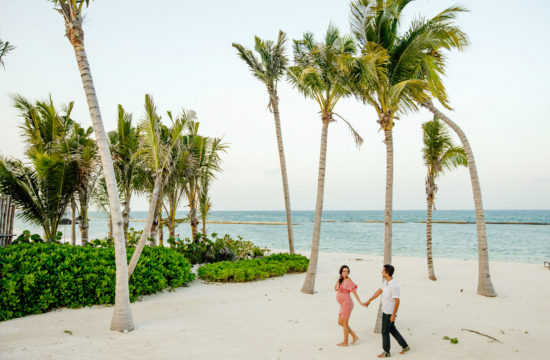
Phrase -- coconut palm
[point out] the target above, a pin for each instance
(71, 10)
(100, 198)
(320, 72)
(156, 149)
(83, 149)
(206, 154)
(124, 147)
(205, 202)
(182, 169)
(375, 25)
(418, 55)
(269, 70)
(5, 48)
(46, 133)
(42, 191)
(439, 154)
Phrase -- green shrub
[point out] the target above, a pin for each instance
(204, 250)
(253, 269)
(35, 278)
(26, 238)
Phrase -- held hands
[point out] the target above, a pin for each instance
(366, 303)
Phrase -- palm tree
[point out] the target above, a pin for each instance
(5, 48)
(83, 149)
(71, 10)
(124, 148)
(41, 191)
(182, 169)
(484, 284)
(44, 189)
(320, 72)
(100, 199)
(206, 155)
(395, 89)
(269, 70)
(157, 150)
(205, 202)
(439, 154)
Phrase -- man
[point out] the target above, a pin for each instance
(390, 304)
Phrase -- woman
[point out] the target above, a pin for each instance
(344, 286)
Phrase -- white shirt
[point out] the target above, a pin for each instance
(390, 291)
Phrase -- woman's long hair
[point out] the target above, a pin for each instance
(341, 270)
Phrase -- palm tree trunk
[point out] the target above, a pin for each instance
(275, 106)
(194, 223)
(110, 232)
(431, 273)
(83, 225)
(161, 232)
(126, 213)
(388, 210)
(309, 283)
(172, 218)
(73, 219)
(155, 226)
(484, 286)
(151, 216)
(204, 229)
(122, 315)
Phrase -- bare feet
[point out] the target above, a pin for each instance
(355, 338)
(384, 354)
(342, 344)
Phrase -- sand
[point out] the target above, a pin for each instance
(272, 319)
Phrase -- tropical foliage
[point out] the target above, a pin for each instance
(35, 278)
(255, 269)
(42, 187)
(202, 249)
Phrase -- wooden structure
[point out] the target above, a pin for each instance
(7, 214)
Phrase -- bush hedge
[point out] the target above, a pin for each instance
(35, 278)
(202, 250)
(253, 269)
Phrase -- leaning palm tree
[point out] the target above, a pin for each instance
(439, 154)
(320, 72)
(5, 48)
(484, 283)
(71, 10)
(417, 55)
(269, 70)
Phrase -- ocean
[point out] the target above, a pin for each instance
(347, 232)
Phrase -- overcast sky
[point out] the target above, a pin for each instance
(180, 52)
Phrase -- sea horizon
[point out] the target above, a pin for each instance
(347, 231)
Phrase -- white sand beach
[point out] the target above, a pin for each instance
(272, 319)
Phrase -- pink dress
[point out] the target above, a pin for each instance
(344, 298)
